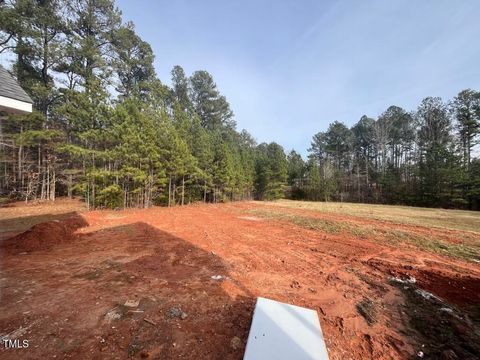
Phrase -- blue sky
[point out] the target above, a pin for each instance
(289, 68)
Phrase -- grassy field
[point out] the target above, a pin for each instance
(452, 233)
(439, 218)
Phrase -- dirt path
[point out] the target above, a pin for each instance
(68, 298)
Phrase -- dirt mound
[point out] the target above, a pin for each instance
(44, 236)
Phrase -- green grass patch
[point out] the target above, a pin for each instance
(4, 200)
(462, 250)
(328, 226)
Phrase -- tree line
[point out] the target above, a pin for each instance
(424, 157)
(106, 128)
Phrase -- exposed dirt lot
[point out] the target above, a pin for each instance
(383, 289)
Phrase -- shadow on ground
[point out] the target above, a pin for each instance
(69, 298)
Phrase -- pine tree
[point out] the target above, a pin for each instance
(212, 108)
(133, 62)
(434, 139)
(180, 88)
(271, 171)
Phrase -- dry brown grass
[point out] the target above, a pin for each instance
(439, 218)
(467, 249)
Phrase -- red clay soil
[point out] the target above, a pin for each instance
(44, 236)
(64, 285)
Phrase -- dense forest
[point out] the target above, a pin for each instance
(107, 129)
(423, 158)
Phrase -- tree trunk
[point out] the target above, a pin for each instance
(19, 160)
(70, 183)
(205, 192)
(47, 195)
(52, 187)
(169, 191)
(183, 190)
(366, 175)
(358, 182)
(88, 195)
(93, 195)
(20, 177)
(124, 197)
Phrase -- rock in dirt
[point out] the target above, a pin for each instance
(132, 303)
(295, 285)
(177, 313)
(144, 354)
(409, 280)
(427, 295)
(236, 343)
(113, 314)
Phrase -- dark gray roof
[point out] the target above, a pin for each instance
(9, 87)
